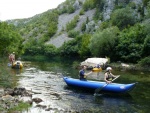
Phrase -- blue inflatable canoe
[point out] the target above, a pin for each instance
(93, 85)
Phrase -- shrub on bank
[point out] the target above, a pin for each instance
(5, 76)
(145, 62)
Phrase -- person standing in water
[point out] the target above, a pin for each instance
(12, 58)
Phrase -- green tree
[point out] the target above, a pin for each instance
(49, 50)
(131, 43)
(123, 17)
(148, 11)
(103, 42)
(52, 29)
(146, 46)
(72, 24)
(69, 48)
(10, 40)
(99, 4)
(84, 47)
(88, 4)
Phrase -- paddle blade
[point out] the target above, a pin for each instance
(100, 88)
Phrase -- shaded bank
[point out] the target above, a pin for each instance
(77, 62)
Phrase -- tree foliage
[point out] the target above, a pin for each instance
(88, 4)
(146, 46)
(130, 47)
(10, 40)
(67, 7)
(72, 24)
(103, 42)
(69, 49)
(84, 47)
(123, 18)
(130, 44)
(99, 4)
(39, 48)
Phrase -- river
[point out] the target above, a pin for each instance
(45, 78)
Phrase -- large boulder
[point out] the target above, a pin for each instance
(92, 62)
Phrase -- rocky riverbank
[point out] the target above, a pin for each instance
(128, 67)
(11, 98)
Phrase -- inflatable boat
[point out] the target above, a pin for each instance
(17, 65)
(97, 69)
(93, 85)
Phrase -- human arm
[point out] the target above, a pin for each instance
(114, 76)
(105, 76)
(86, 74)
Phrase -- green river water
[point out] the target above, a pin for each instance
(45, 77)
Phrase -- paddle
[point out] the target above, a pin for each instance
(100, 88)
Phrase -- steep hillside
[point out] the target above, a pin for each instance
(118, 29)
(61, 35)
(37, 26)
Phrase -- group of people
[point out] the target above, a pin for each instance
(108, 76)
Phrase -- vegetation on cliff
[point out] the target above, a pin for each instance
(118, 30)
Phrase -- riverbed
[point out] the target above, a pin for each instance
(45, 79)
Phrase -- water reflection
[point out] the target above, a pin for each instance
(115, 103)
(16, 71)
(45, 79)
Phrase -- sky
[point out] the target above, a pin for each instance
(18, 9)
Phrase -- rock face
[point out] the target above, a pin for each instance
(58, 42)
(60, 37)
(108, 8)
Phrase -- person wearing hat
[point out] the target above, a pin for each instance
(108, 77)
(12, 58)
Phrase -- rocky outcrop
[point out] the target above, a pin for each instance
(9, 98)
(60, 37)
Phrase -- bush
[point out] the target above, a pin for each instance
(5, 76)
(88, 4)
(83, 27)
(49, 50)
(123, 18)
(146, 46)
(81, 12)
(71, 9)
(72, 24)
(130, 45)
(84, 47)
(73, 33)
(52, 28)
(69, 48)
(10, 40)
(145, 62)
(103, 42)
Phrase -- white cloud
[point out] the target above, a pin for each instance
(14, 9)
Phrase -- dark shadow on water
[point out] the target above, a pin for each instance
(79, 89)
(123, 97)
(98, 98)
(118, 103)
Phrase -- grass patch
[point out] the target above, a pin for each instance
(5, 75)
(21, 106)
